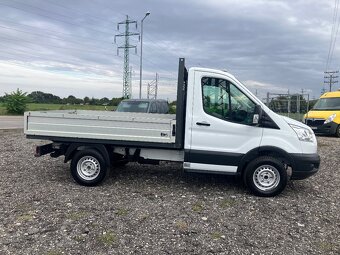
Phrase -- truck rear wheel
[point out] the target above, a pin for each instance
(88, 167)
(265, 176)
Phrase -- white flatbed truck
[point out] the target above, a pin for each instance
(219, 127)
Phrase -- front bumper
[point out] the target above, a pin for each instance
(329, 128)
(304, 165)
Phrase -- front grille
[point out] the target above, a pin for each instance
(315, 122)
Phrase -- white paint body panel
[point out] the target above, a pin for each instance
(155, 154)
(105, 125)
(221, 135)
(210, 167)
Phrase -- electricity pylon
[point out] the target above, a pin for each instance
(127, 90)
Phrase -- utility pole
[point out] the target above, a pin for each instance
(153, 88)
(141, 56)
(331, 78)
(126, 76)
(130, 82)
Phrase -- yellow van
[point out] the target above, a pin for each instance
(324, 118)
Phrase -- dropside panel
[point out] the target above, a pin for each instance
(139, 127)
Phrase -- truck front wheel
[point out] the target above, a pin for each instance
(265, 176)
(88, 167)
(337, 133)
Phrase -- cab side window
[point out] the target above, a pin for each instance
(225, 101)
(153, 108)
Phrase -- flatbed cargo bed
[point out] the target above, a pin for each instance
(101, 125)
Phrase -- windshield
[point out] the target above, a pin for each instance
(133, 106)
(332, 103)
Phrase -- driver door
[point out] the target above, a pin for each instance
(221, 126)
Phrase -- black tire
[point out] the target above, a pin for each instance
(265, 176)
(88, 167)
(337, 132)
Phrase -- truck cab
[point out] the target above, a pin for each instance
(229, 130)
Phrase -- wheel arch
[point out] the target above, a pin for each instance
(264, 151)
(102, 149)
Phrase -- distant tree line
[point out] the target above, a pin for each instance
(40, 97)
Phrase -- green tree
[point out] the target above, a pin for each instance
(16, 102)
(115, 101)
(86, 100)
(44, 98)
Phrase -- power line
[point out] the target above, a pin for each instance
(74, 24)
(154, 44)
(49, 17)
(48, 31)
(331, 78)
(75, 10)
(50, 45)
(334, 32)
(38, 34)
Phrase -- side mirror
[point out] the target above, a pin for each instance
(257, 115)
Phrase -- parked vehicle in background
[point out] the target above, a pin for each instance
(220, 127)
(144, 105)
(324, 118)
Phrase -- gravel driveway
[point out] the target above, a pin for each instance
(143, 209)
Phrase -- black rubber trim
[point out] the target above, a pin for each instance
(83, 146)
(181, 104)
(267, 122)
(329, 128)
(209, 172)
(259, 151)
(42, 150)
(305, 165)
(212, 157)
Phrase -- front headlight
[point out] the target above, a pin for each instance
(304, 134)
(330, 118)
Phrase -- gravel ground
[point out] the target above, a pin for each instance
(143, 209)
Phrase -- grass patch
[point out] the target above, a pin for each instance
(182, 226)
(197, 207)
(227, 202)
(322, 144)
(216, 235)
(79, 239)
(121, 212)
(77, 215)
(144, 217)
(54, 252)
(108, 238)
(47, 107)
(25, 217)
(328, 247)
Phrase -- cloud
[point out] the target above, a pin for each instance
(67, 46)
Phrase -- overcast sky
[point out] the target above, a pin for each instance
(66, 47)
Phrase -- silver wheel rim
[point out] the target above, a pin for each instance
(266, 177)
(88, 168)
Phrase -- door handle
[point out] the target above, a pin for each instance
(203, 124)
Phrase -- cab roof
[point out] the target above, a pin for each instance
(331, 94)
